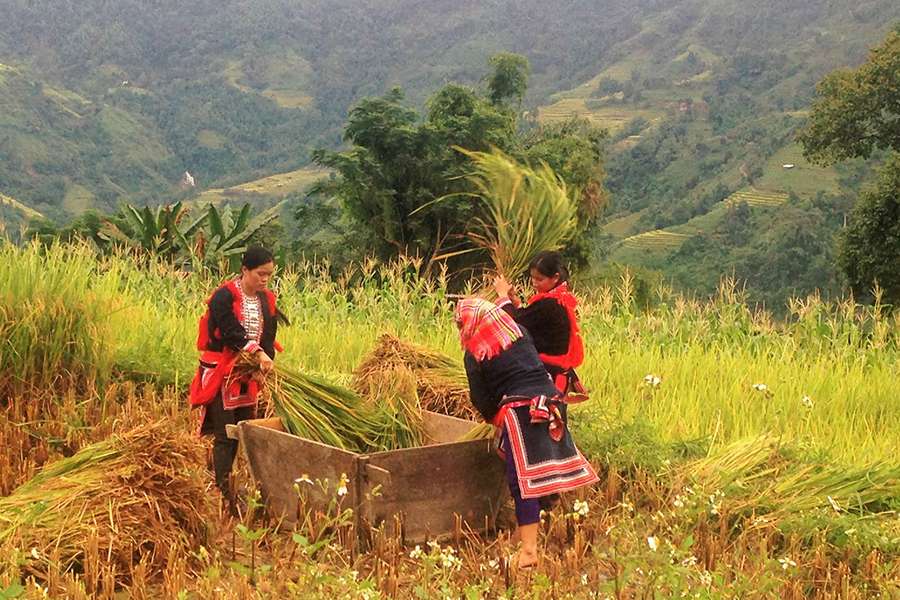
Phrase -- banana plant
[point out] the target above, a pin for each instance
(228, 231)
(156, 232)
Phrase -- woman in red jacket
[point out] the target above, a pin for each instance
(242, 318)
(549, 317)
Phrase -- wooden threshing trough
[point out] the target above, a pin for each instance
(426, 486)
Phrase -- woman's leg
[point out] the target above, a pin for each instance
(224, 449)
(528, 512)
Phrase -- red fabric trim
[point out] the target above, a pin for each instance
(575, 354)
(208, 382)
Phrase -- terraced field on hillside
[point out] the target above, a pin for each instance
(658, 239)
(757, 198)
(609, 117)
(11, 202)
(274, 187)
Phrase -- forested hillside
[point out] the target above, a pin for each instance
(103, 102)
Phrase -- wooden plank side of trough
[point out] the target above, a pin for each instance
(441, 429)
(429, 485)
(277, 459)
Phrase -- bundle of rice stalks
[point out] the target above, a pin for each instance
(138, 496)
(316, 409)
(441, 383)
(760, 479)
(527, 210)
(395, 400)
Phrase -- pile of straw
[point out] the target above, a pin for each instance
(135, 497)
(441, 384)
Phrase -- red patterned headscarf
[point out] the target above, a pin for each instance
(485, 329)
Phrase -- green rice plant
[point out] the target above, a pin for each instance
(527, 210)
(316, 409)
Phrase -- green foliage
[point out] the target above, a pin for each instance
(400, 165)
(857, 113)
(228, 234)
(509, 80)
(858, 110)
(870, 245)
(158, 233)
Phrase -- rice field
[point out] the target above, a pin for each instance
(612, 118)
(657, 239)
(278, 185)
(741, 457)
(757, 198)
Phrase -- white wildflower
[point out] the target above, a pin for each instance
(581, 508)
(35, 554)
(679, 502)
(786, 563)
(653, 542)
(342, 485)
(584, 579)
(706, 578)
(416, 553)
(760, 387)
(494, 563)
(304, 479)
(652, 380)
(807, 401)
(690, 561)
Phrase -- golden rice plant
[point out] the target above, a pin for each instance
(441, 383)
(139, 495)
(528, 210)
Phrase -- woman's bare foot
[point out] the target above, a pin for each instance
(524, 559)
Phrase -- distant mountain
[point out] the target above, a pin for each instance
(101, 101)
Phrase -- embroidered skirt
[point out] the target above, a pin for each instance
(545, 456)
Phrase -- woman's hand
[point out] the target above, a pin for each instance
(265, 363)
(503, 288)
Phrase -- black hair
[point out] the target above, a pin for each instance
(548, 264)
(256, 256)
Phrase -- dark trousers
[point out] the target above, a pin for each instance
(528, 510)
(224, 449)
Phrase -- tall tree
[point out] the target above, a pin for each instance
(857, 113)
(509, 81)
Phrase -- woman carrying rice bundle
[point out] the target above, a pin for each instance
(511, 389)
(241, 318)
(550, 318)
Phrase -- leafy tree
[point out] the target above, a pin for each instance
(509, 80)
(858, 112)
(399, 165)
(870, 245)
(405, 186)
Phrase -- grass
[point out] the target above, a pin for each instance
(804, 179)
(77, 199)
(623, 227)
